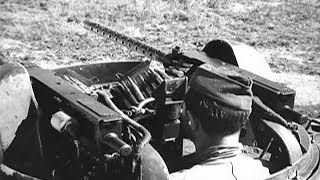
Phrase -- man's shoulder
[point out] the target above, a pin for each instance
(243, 167)
(237, 167)
(204, 171)
(243, 159)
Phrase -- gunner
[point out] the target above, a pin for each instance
(217, 106)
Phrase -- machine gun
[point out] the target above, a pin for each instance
(273, 102)
(82, 134)
(179, 63)
(112, 120)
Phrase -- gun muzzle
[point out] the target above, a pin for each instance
(113, 141)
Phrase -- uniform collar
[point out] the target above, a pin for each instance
(214, 153)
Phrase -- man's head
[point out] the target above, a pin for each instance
(219, 100)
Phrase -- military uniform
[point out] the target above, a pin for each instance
(223, 162)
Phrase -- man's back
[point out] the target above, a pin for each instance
(240, 167)
(217, 106)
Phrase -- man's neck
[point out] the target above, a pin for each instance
(203, 141)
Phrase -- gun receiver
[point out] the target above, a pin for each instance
(96, 131)
(63, 96)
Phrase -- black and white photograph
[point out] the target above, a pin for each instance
(159, 90)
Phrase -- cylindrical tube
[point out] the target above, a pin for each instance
(144, 85)
(135, 89)
(113, 141)
(146, 134)
(128, 92)
(118, 93)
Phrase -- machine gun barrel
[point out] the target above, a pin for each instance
(126, 41)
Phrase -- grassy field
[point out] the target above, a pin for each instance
(287, 33)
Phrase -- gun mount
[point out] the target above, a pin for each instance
(114, 120)
(179, 63)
